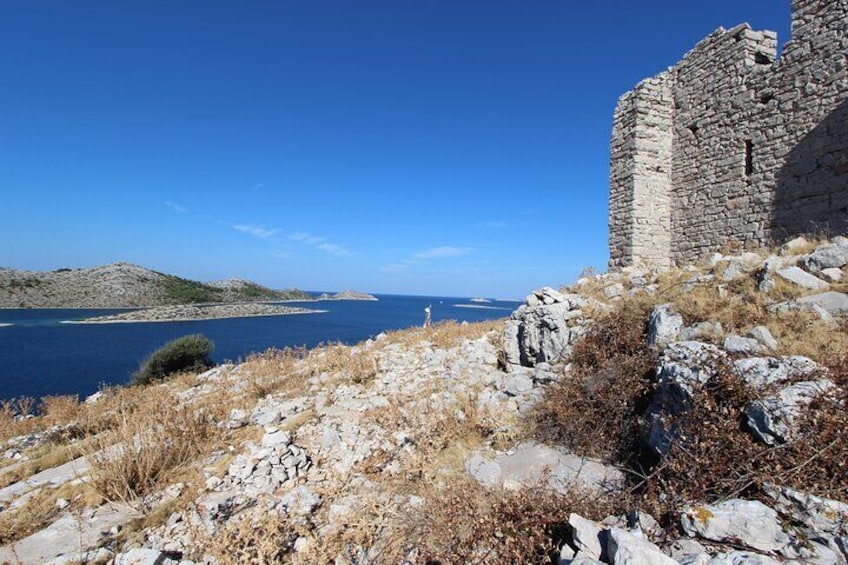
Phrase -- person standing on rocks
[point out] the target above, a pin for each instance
(427, 320)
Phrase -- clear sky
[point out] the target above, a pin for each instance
(417, 147)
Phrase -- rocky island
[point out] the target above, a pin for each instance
(124, 285)
(348, 295)
(190, 312)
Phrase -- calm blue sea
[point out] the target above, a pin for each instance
(41, 356)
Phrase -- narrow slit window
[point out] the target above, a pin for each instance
(749, 157)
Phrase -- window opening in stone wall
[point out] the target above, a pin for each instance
(749, 158)
(761, 58)
(693, 127)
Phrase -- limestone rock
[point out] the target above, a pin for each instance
(300, 501)
(745, 522)
(740, 265)
(802, 278)
(819, 514)
(664, 325)
(684, 548)
(683, 366)
(794, 244)
(701, 330)
(613, 291)
(763, 335)
(543, 332)
(835, 303)
(142, 556)
(832, 274)
(827, 256)
(762, 371)
(740, 558)
(529, 463)
(745, 345)
(772, 419)
(588, 537)
(627, 548)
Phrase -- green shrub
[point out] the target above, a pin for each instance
(188, 353)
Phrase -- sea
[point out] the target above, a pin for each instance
(40, 355)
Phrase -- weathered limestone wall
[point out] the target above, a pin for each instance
(641, 162)
(732, 144)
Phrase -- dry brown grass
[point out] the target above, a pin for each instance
(251, 539)
(739, 307)
(273, 371)
(146, 444)
(444, 335)
(346, 363)
(60, 410)
(15, 417)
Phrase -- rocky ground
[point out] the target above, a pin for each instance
(123, 285)
(198, 312)
(694, 416)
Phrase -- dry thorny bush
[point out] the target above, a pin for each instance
(464, 522)
(591, 410)
(596, 410)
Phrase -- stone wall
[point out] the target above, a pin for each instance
(733, 144)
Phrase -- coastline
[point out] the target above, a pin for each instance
(195, 313)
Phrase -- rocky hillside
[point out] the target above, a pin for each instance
(695, 416)
(123, 285)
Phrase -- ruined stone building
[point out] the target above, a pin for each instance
(734, 144)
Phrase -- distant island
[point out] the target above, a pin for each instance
(348, 295)
(124, 285)
(190, 312)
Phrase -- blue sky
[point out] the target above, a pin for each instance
(427, 147)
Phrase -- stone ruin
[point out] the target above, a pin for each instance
(733, 144)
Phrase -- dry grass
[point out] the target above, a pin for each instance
(443, 335)
(251, 539)
(147, 443)
(349, 364)
(273, 371)
(739, 307)
(60, 410)
(15, 417)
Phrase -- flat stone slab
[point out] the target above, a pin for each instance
(69, 534)
(529, 463)
(799, 276)
(54, 477)
(835, 303)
